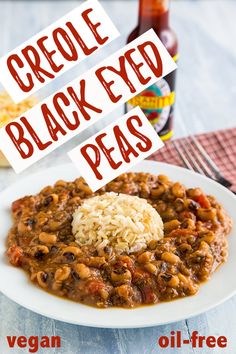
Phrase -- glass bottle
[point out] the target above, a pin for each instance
(158, 100)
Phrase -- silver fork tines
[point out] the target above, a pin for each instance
(210, 162)
(195, 158)
(182, 156)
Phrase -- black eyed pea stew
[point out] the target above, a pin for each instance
(194, 244)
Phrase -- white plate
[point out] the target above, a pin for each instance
(15, 284)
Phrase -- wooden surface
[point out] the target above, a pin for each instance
(206, 101)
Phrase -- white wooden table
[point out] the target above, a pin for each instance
(206, 101)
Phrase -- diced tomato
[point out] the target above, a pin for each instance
(94, 286)
(126, 261)
(149, 297)
(203, 201)
(15, 254)
(140, 275)
(18, 204)
(181, 232)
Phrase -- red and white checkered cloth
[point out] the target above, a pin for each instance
(220, 145)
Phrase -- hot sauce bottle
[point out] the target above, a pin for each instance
(157, 102)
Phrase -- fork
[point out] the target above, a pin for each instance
(195, 158)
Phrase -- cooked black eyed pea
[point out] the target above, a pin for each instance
(60, 183)
(121, 275)
(105, 252)
(191, 239)
(47, 238)
(151, 268)
(188, 224)
(42, 279)
(82, 270)
(124, 291)
(224, 252)
(164, 277)
(46, 190)
(39, 251)
(179, 204)
(70, 257)
(104, 294)
(184, 270)
(30, 222)
(57, 284)
(42, 218)
(96, 262)
(160, 207)
(183, 279)
(178, 190)
(145, 257)
(197, 259)
(199, 255)
(173, 282)
(186, 215)
(52, 198)
(55, 198)
(220, 215)
(204, 247)
(191, 204)
(144, 191)
(169, 197)
(170, 258)
(169, 214)
(194, 192)
(158, 191)
(55, 225)
(83, 186)
(64, 198)
(158, 254)
(47, 200)
(152, 244)
(120, 178)
(169, 279)
(208, 237)
(75, 201)
(187, 283)
(200, 226)
(62, 274)
(25, 225)
(184, 248)
(204, 274)
(76, 251)
(206, 214)
(163, 179)
(171, 225)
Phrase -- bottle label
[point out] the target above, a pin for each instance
(156, 102)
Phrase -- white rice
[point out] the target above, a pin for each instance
(127, 223)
